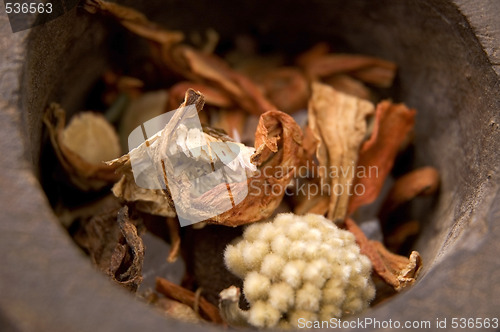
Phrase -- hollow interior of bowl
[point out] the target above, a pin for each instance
(442, 72)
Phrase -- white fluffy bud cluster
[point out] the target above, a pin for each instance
(300, 267)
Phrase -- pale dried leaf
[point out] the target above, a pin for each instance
(91, 141)
(338, 121)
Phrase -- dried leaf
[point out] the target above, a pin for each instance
(212, 95)
(278, 144)
(393, 122)
(135, 21)
(153, 201)
(231, 121)
(141, 109)
(371, 70)
(191, 156)
(177, 310)
(397, 271)
(115, 247)
(207, 310)
(83, 146)
(287, 88)
(420, 182)
(339, 123)
(182, 59)
(351, 86)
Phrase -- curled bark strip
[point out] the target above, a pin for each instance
(83, 174)
(393, 123)
(207, 310)
(420, 182)
(397, 271)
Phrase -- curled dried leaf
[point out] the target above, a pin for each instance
(397, 271)
(278, 144)
(207, 310)
(213, 96)
(114, 246)
(83, 146)
(192, 64)
(338, 121)
(393, 122)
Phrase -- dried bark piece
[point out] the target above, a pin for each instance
(175, 239)
(287, 88)
(114, 246)
(339, 123)
(393, 122)
(371, 70)
(397, 271)
(420, 182)
(83, 146)
(207, 310)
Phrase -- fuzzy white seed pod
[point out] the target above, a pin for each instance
(281, 296)
(272, 265)
(292, 273)
(308, 298)
(256, 287)
(280, 245)
(254, 253)
(297, 267)
(234, 259)
(262, 314)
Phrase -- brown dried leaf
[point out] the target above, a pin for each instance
(339, 123)
(351, 86)
(83, 146)
(420, 182)
(371, 70)
(153, 201)
(278, 144)
(213, 96)
(393, 122)
(114, 247)
(135, 21)
(287, 88)
(207, 310)
(182, 59)
(397, 271)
